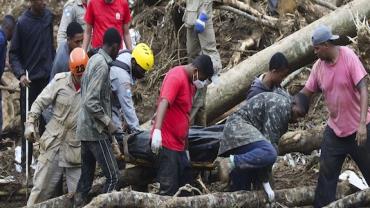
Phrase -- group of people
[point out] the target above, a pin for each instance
(80, 101)
(251, 135)
(79, 97)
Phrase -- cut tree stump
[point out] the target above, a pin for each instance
(297, 47)
(304, 141)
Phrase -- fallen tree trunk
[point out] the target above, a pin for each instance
(358, 199)
(304, 141)
(288, 197)
(297, 48)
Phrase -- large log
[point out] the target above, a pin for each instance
(288, 197)
(234, 83)
(358, 199)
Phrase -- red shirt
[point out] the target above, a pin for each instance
(102, 16)
(178, 90)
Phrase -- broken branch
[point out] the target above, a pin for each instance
(261, 21)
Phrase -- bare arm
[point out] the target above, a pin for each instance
(126, 36)
(161, 112)
(87, 37)
(306, 92)
(362, 88)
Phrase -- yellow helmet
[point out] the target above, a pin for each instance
(143, 56)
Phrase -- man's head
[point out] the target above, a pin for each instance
(322, 40)
(279, 68)
(112, 42)
(8, 25)
(142, 60)
(77, 63)
(38, 6)
(203, 68)
(300, 106)
(75, 35)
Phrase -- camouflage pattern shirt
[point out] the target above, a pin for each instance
(264, 117)
(96, 107)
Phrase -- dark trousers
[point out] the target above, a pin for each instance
(174, 171)
(34, 90)
(101, 152)
(333, 152)
(252, 164)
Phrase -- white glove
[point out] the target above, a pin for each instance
(270, 193)
(187, 154)
(156, 141)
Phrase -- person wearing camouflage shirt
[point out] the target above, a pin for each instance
(251, 133)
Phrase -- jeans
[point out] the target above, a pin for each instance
(333, 152)
(174, 171)
(97, 151)
(36, 87)
(252, 163)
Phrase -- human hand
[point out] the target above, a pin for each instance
(361, 135)
(156, 141)
(24, 81)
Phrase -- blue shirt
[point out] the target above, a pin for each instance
(3, 45)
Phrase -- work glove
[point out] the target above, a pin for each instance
(270, 193)
(200, 23)
(156, 141)
(30, 132)
(112, 128)
(187, 154)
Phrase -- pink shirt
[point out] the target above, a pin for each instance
(338, 84)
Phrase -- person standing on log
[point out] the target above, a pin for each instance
(171, 125)
(94, 125)
(200, 39)
(250, 135)
(271, 80)
(341, 77)
(74, 11)
(32, 50)
(103, 14)
(6, 33)
(60, 150)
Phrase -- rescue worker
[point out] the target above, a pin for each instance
(171, 125)
(6, 33)
(95, 126)
(251, 133)
(74, 40)
(73, 11)
(32, 50)
(127, 68)
(271, 80)
(342, 79)
(200, 39)
(103, 14)
(60, 152)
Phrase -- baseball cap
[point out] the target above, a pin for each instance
(322, 34)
